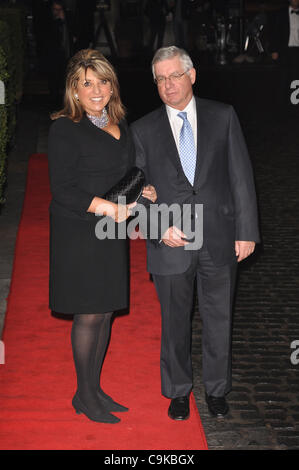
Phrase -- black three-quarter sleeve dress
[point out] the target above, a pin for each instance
(87, 274)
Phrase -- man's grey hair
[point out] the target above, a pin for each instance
(170, 52)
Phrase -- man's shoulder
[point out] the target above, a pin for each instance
(147, 119)
(212, 105)
(202, 104)
(212, 109)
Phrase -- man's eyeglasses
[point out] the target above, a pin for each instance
(174, 77)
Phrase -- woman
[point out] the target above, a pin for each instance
(90, 150)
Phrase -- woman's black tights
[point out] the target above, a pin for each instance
(90, 337)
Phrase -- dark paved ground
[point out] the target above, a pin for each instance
(264, 403)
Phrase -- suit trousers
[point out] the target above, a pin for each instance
(215, 291)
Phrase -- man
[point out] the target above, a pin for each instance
(156, 11)
(60, 43)
(84, 24)
(182, 10)
(284, 41)
(216, 172)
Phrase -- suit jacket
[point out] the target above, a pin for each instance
(279, 31)
(84, 23)
(185, 8)
(156, 10)
(223, 182)
(59, 47)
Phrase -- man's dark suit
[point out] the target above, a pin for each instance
(59, 49)
(224, 185)
(279, 31)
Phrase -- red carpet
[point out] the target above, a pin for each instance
(38, 378)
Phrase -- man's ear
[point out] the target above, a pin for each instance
(192, 75)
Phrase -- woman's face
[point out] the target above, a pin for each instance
(93, 92)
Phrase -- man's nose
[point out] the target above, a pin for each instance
(168, 82)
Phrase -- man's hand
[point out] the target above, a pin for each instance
(243, 249)
(149, 192)
(275, 55)
(173, 237)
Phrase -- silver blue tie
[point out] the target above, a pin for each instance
(187, 148)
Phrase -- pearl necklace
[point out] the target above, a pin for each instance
(99, 121)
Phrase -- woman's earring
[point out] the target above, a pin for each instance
(76, 96)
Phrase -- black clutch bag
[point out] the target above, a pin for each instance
(130, 186)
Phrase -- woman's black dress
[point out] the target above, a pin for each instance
(87, 275)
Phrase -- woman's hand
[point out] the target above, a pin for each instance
(149, 192)
(118, 212)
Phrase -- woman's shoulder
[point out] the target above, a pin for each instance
(65, 128)
(64, 124)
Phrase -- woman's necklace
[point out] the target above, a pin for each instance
(99, 121)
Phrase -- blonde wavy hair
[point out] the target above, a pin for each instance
(94, 60)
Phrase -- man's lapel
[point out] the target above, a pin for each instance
(203, 141)
(165, 137)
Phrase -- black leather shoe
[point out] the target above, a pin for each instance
(217, 406)
(179, 408)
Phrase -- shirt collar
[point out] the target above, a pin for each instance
(190, 108)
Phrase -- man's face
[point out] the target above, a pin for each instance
(57, 11)
(174, 90)
(294, 4)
